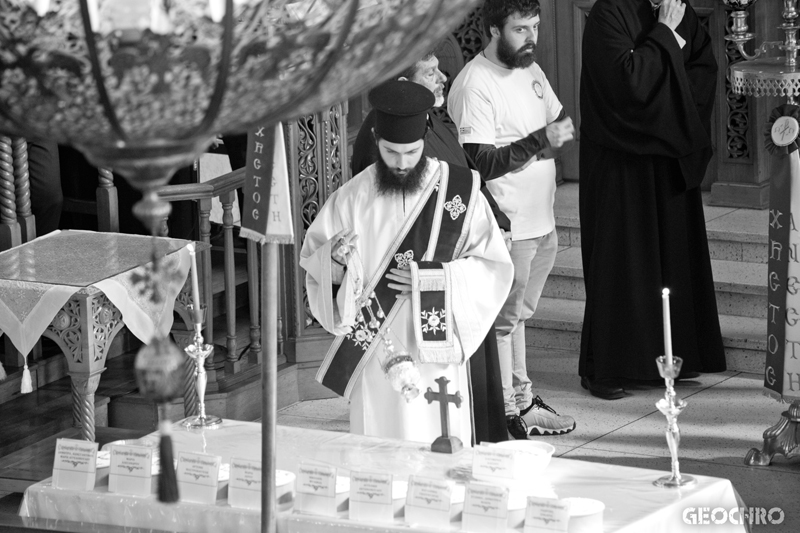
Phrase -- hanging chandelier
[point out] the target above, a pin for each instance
(144, 86)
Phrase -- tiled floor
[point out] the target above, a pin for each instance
(725, 417)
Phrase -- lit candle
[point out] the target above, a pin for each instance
(94, 15)
(198, 316)
(216, 9)
(667, 327)
(40, 6)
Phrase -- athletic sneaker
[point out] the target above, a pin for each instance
(516, 427)
(541, 419)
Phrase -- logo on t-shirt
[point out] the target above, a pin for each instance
(465, 130)
(537, 88)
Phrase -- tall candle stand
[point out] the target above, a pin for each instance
(672, 406)
(759, 76)
(199, 351)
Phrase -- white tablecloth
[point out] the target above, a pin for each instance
(37, 279)
(632, 503)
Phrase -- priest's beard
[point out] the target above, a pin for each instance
(391, 181)
(520, 58)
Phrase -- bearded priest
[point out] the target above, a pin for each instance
(406, 265)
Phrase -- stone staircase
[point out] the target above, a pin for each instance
(738, 246)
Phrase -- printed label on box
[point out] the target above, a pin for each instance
(74, 464)
(428, 502)
(316, 489)
(485, 508)
(492, 462)
(244, 486)
(130, 470)
(545, 515)
(371, 497)
(198, 475)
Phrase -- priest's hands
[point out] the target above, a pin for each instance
(342, 246)
(561, 132)
(671, 13)
(402, 279)
(506, 238)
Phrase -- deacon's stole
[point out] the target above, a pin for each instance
(433, 235)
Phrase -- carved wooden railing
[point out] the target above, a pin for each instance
(223, 187)
(318, 165)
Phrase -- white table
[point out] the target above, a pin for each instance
(633, 504)
(79, 288)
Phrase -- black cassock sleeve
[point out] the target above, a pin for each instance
(641, 92)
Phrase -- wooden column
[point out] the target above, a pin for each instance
(232, 363)
(743, 167)
(107, 202)
(204, 262)
(10, 233)
(22, 190)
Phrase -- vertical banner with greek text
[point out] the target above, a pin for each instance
(267, 212)
(782, 368)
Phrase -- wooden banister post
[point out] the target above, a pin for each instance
(232, 363)
(107, 202)
(10, 234)
(22, 189)
(204, 214)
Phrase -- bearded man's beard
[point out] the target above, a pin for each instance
(390, 182)
(521, 58)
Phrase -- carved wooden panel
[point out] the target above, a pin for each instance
(737, 117)
(316, 155)
(469, 35)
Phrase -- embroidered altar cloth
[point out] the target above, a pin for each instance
(39, 277)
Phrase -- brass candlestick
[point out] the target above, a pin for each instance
(199, 351)
(671, 407)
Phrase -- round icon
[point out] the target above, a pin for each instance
(784, 131)
(537, 88)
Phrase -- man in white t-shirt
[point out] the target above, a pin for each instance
(509, 121)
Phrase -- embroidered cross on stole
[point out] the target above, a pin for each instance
(437, 235)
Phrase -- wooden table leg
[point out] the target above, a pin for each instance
(84, 385)
(84, 329)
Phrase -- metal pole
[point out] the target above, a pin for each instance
(269, 370)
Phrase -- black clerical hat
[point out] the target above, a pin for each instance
(401, 110)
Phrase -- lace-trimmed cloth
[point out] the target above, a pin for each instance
(37, 279)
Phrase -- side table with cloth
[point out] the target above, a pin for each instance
(79, 289)
(632, 503)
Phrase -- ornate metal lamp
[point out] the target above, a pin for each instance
(143, 87)
(760, 75)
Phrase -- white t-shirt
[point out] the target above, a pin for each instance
(494, 105)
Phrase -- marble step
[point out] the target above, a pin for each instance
(734, 234)
(557, 326)
(741, 287)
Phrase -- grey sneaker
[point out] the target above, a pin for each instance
(516, 427)
(541, 419)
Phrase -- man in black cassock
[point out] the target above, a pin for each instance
(647, 92)
(441, 143)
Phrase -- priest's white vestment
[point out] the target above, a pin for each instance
(478, 281)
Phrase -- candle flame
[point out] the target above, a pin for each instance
(665, 292)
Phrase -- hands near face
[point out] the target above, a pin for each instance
(402, 282)
(671, 13)
(561, 132)
(342, 246)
